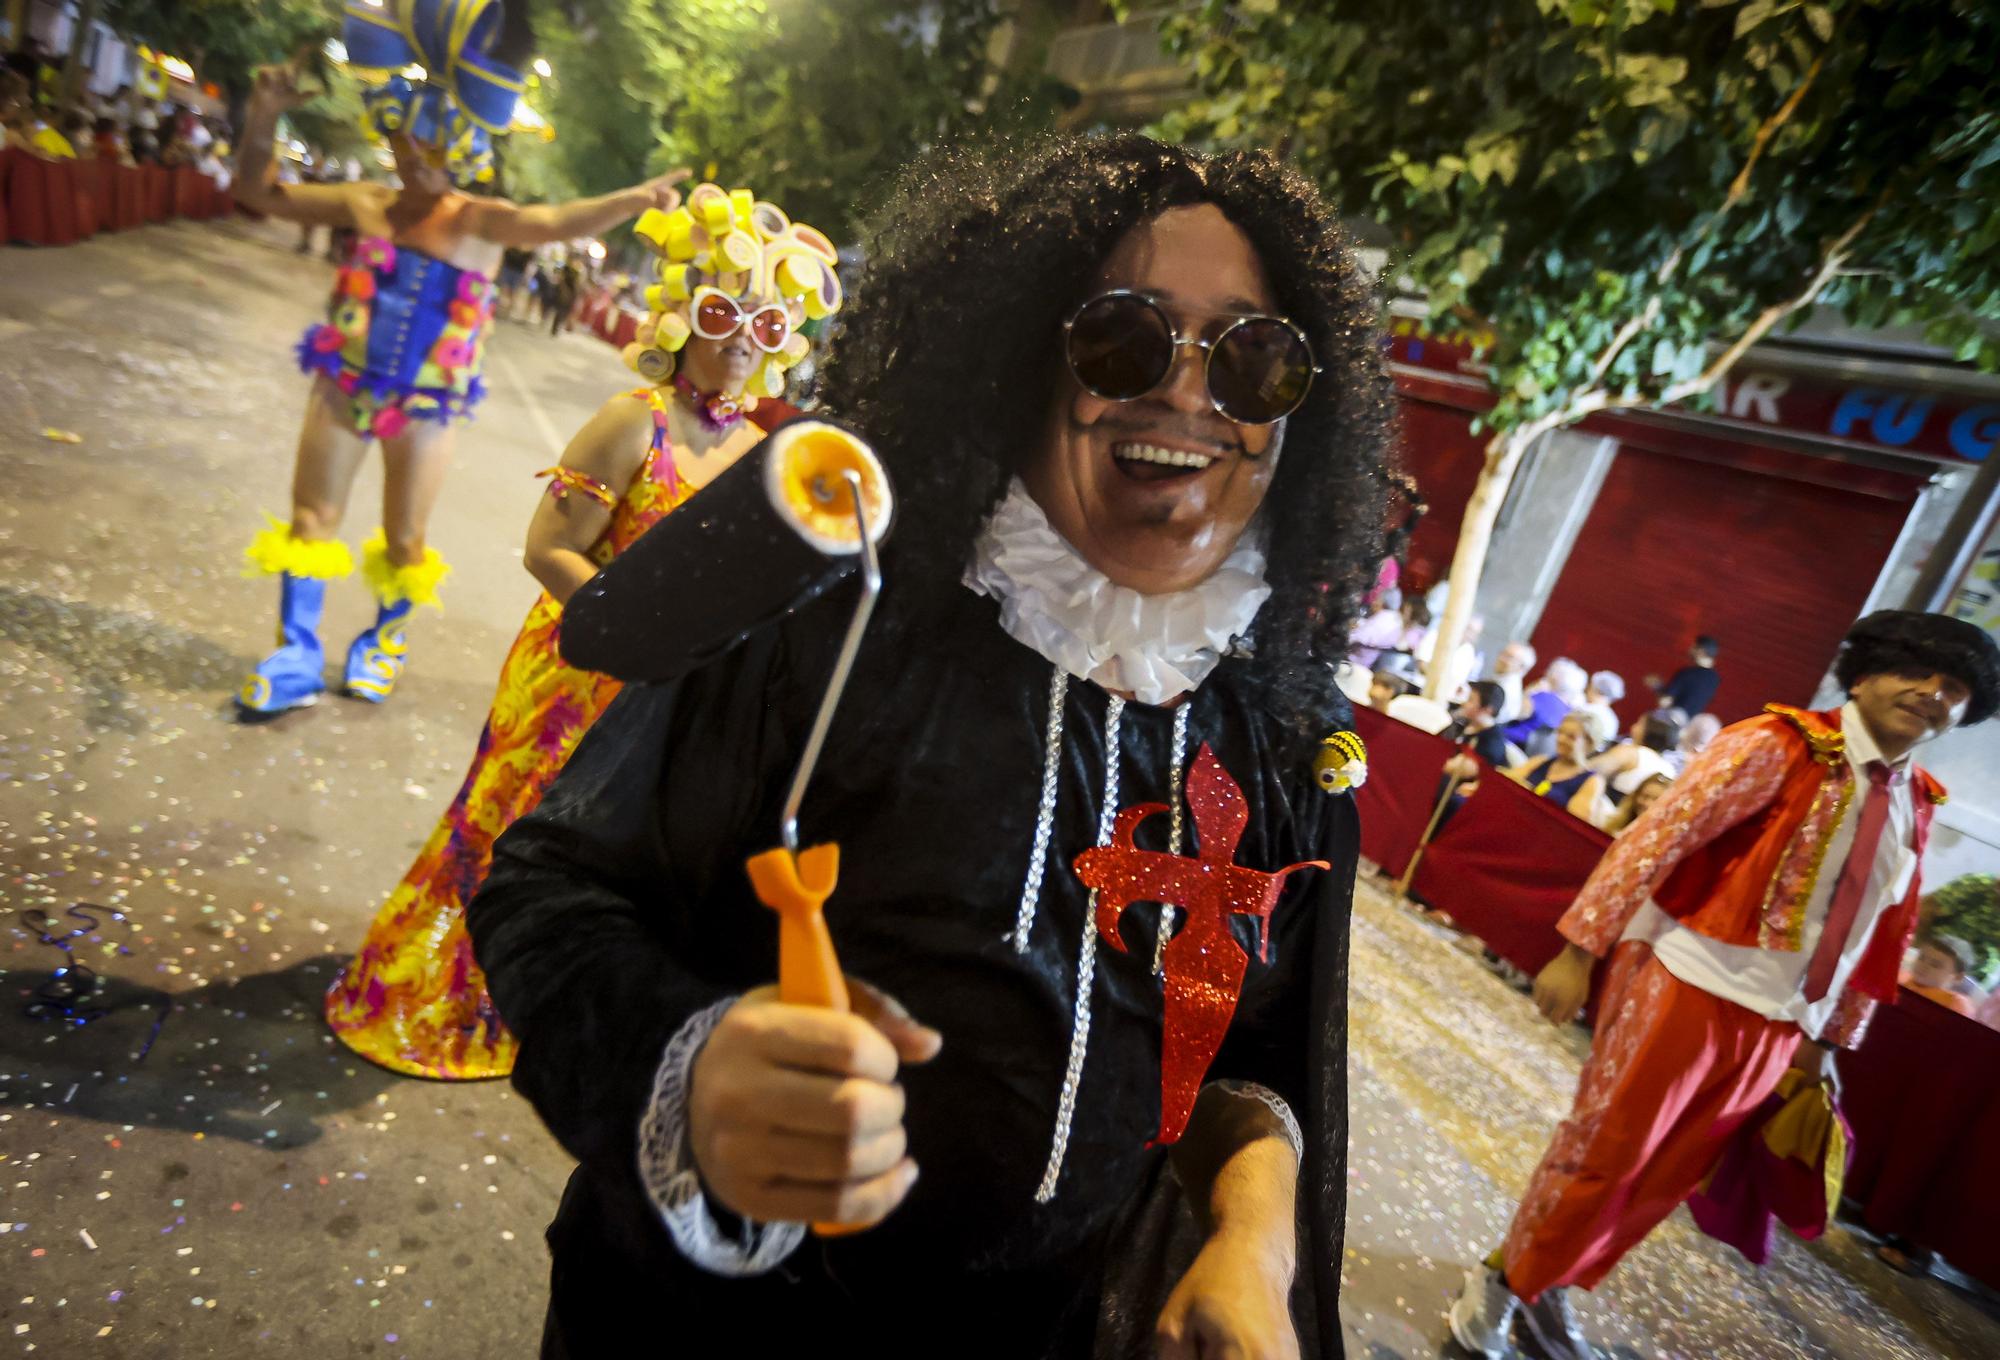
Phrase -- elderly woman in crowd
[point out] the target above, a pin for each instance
(1700, 730)
(1563, 686)
(1604, 689)
(1566, 777)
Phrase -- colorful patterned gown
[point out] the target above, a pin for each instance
(413, 1000)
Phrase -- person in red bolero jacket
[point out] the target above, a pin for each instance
(1751, 921)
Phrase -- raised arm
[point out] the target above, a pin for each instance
(598, 465)
(537, 224)
(257, 187)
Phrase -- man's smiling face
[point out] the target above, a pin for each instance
(1155, 492)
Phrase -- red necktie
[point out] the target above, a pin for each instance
(1852, 888)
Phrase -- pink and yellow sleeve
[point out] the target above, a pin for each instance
(563, 480)
(1739, 774)
(1848, 1024)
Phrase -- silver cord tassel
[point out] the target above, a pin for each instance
(1086, 963)
(1174, 776)
(1031, 891)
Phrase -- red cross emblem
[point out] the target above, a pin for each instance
(1204, 964)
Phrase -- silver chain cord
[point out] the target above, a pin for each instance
(1174, 837)
(1086, 963)
(1031, 891)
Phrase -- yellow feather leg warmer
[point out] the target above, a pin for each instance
(277, 550)
(391, 584)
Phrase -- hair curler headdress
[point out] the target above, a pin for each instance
(729, 242)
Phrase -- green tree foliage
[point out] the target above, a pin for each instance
(812, 104)
(1969, 907)
(1630, 193)
(227, 40)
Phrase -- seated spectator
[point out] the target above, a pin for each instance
(1634, 807)
(1566, 777)
(1475, 728)
(110, 144)
(1692, 688)
(1938, 969)
(210, 164)
(1629, 764)
(1604, 689)
(1356, 682)
(1396, 691)
(79, 130)
(16, 114)
(1510, 672)
(1382, 631)
(1416, 623)
(1386, 685)
(1696, 733)
(1547, 703)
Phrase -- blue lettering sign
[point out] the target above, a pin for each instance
(1975, 432)
(1892, 419)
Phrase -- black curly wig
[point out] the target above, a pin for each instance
(1891, 641)
(950, 351)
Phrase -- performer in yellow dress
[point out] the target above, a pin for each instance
(719, 338)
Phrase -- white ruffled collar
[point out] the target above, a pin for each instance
(1153, 647)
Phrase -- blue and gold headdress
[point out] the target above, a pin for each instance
(465, 97)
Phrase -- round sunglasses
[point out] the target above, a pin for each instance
(1122, 345)
(717, 316)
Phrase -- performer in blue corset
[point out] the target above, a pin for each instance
(397, 359)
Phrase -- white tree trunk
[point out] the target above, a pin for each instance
(1475, 533)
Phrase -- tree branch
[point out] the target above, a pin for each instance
(1645, 318)
(1836, 256)
(1739, 187)
(1768, 129)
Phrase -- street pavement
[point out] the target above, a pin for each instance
(201, 1170)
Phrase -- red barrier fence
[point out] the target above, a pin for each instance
(1922, 1092)
(57, 203)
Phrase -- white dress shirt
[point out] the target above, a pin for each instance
(1771, 982)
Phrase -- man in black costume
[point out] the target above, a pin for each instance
(1132, 402)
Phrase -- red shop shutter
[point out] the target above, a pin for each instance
(1774, 558)
(1441, 452)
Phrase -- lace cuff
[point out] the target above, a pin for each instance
(1277, 1105)
(667, 1170)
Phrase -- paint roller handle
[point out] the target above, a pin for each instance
(796, 887)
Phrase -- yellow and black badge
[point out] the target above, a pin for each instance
(1342, 763)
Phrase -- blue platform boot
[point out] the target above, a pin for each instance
(293, 676)
(375, 661)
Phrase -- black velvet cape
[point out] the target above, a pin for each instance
(620, 907)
